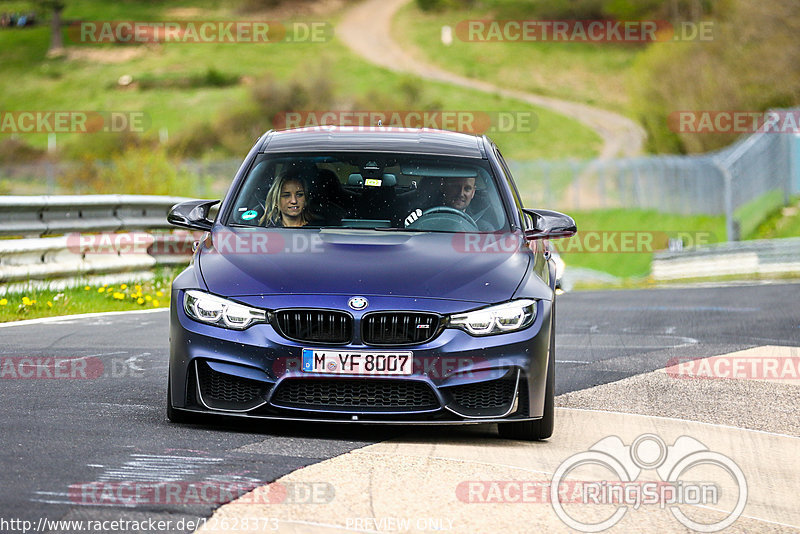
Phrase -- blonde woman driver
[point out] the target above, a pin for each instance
(287, 202)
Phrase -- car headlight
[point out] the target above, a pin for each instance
(508, 317)
(217, 311)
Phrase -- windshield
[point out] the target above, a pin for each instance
(370, 190)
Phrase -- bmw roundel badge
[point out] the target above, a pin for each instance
(358, 303)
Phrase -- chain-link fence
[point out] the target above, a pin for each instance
(209, 178)
(744, 181)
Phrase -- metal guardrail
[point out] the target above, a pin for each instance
(744, 181)
(100, 234)
(31, 216)
(768, 256)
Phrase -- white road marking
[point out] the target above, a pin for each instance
(70, 319)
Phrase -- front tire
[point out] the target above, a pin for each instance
(540, 428)
(174, 415)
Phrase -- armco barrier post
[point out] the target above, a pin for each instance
(730, 226)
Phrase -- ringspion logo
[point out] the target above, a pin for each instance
(676, 466)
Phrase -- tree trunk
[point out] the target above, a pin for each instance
(56, 39)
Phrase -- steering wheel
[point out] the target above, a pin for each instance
(445, 218)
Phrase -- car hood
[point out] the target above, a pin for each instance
(243, 261)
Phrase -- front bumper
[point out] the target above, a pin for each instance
(457, 378)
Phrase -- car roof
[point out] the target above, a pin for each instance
(373, 139)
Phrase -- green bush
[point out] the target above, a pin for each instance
(237, 128)
(210, 78)
(16, 151)
(583, 9)
(100, 145)
(441, 5)
(750, 65)
(141, 170)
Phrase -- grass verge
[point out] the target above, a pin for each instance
(35, 303)
(649, 283)
(783, 221)
(649, 231)
(585, 72)
(87, 79)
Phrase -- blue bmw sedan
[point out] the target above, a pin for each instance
(374, 275)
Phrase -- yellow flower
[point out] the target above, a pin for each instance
(26, 301)
(3, 302)
(124, 286)
(119, 296)
(155, 302)
(148, 298)
(87, 288)
(49, 304)
(140, 301)
(100, 289)
(137, 287)
(159, 294)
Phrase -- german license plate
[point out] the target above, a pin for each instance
(357, 362)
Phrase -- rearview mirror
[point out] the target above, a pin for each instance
(192, 214)
(547, 224)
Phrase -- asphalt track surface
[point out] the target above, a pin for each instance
(58, 435)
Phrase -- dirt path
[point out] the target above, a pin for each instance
(366, 29)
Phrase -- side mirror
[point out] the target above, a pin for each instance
(192, 214)
(549, 224)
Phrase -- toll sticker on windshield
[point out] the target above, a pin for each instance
(372, 182)
(252, 214)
